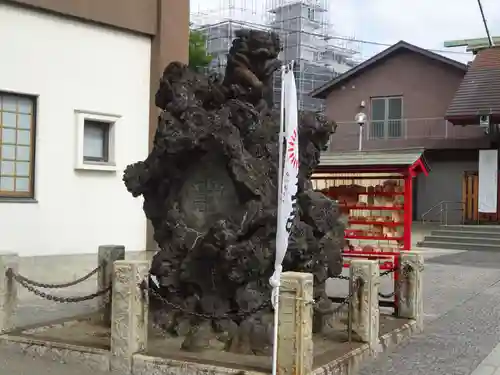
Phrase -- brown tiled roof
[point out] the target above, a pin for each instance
(323, 91)
(479, 92)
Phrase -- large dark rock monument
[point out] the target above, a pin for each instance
(210, 192)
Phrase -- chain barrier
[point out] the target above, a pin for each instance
(347, 278)
(385, 273)
(245, 314)
(358, 283)
(346, 300)
(388, 295)
(59, 286)
(50, 297)
(388, 272)
(340, 277)
(240, 315)
(406, 269)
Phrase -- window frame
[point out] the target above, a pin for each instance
(105, 146)
(386, 119)
(311, 14)
(30, 194)
(82, 162)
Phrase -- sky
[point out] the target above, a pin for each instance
(425, 23)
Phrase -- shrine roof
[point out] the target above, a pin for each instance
(479, 92)
(373, 159)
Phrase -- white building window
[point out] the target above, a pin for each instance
(310, 14)
(96, 141)
(17, 151)
(386, 118)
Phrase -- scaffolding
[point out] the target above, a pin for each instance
(219, 37)
(213, 12)
(305, 31)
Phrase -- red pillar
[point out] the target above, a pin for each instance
(408, 211)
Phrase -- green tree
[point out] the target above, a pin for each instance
(198, 56)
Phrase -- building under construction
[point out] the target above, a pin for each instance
(305, 32)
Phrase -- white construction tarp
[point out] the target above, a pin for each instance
(488, 181)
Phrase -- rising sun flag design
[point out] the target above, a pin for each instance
(293, 152)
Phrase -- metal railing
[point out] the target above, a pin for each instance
(444, 208)
(405, 132)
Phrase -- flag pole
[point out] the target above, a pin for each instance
(275, 327)
(276, 279)
(281, 134)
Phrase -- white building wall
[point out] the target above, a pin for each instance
(73, 66)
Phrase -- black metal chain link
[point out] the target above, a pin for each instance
(238, 315)
(59, 286)
(347, 278)
(10, 273)
(242, 314)
(340, 277)
(385, 273)
(357, 284)
(388, 272)
(405, 271)
(388, 295)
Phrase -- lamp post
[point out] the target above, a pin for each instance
(360, 118)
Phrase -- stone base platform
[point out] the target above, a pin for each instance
(81, 341)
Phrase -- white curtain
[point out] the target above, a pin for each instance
(488, 181)
(94, 137)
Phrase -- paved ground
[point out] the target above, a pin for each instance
(462, 323)
(491, 364)
(15, 363)
(31, 311)
(462, 315)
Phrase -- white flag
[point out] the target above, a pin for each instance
(289, 183)
(288, 179)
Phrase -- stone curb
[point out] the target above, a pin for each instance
(91, 358)
(99, 359)
(349, 364)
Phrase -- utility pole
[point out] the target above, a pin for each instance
(490, 40)
(476, 44)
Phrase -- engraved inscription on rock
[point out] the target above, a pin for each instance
(208, 193)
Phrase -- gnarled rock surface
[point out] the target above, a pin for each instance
(210, 191)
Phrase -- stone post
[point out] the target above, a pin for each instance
(8, 291)
(106, 256)
(409, 287)
(129, 328)
(295, 345)
(365, 310)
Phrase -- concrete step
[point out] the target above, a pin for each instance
(459, 246)
(463, 239)
(464, 233)
(473, 228)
